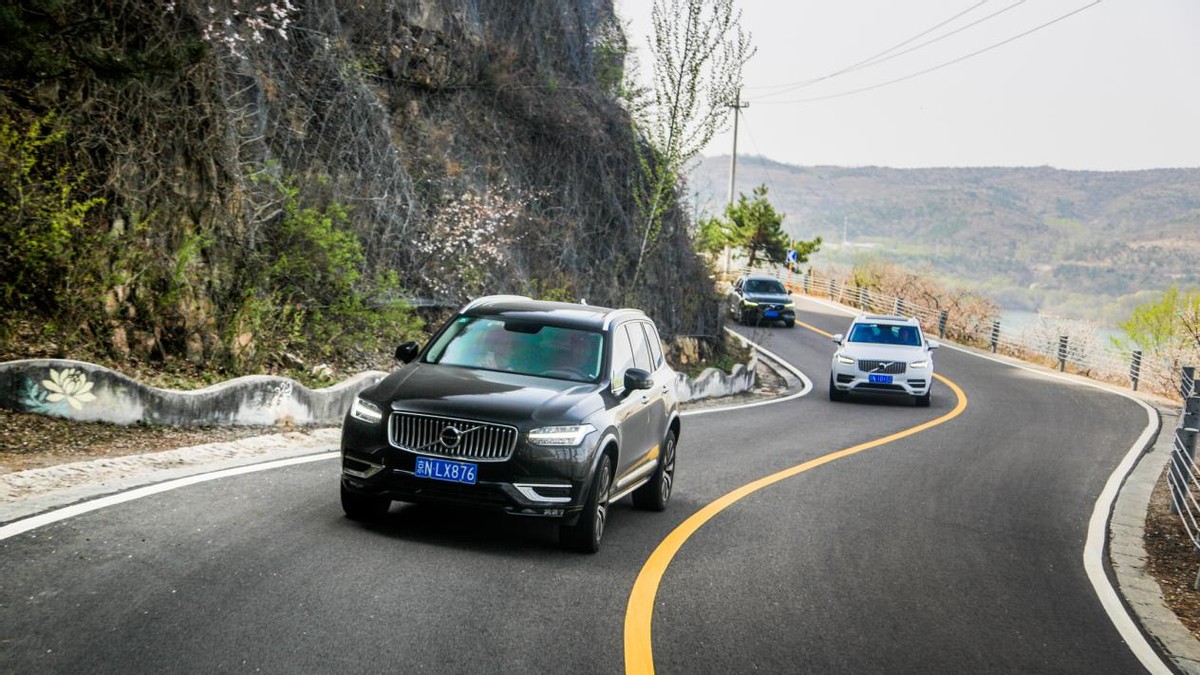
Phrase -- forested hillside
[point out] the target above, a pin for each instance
(221, 183)
(1072, 242)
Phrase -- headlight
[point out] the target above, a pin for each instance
(366, 411)
(566, 436)
(789, 305)
(923, 363)
(748, 303)
(845, 360)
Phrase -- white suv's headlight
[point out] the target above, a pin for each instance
(366, 411)
(845, 360)
(923, 363)
(566, 435)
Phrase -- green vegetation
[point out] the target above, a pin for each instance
(304, 288)
(754, 227)
(45, 241)
(1169, 325)
(196, 187)
(699, 51)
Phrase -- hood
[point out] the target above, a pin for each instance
(507, 398)
(873, 352)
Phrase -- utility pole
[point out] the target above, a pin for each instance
(737, 106)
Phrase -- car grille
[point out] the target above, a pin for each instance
(451, 437)
(882, 367)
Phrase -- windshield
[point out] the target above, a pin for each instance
(764, 286)
(886, 334)
(520, 347)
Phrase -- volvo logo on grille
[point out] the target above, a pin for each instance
(451, 437)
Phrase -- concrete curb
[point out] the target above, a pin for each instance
(90, 393)
(87, 392)
(1127, 553)
(713, 383)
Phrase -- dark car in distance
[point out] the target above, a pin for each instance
(758, 298)
(532, 408)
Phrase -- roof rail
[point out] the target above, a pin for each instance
(492, 298)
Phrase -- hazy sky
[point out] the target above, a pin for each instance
(1115, 86)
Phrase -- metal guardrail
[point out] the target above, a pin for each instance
(1068, 353)
(1181, 471)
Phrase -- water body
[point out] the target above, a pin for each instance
(1019, 321)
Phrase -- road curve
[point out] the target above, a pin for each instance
(954, 549)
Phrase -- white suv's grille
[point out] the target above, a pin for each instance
(451, 437)
(882, 367)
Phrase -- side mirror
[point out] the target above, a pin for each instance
(933, 344)
(636, 378)
(838, 338)
(407, 352)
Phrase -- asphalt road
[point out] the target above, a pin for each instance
(957, 548)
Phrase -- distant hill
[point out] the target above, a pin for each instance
(1077, 243)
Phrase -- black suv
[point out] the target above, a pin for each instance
(531, 408)
(758, 298)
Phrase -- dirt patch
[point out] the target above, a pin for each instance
(30, 441)
(1172, 559)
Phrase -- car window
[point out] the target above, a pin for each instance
(528, 348)
(655, 345)
(764, 286)
(886, 334)
(622, 357)
(641, 348)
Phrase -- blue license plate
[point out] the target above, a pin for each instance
(444, 469)
(879, 379)
(770, 314)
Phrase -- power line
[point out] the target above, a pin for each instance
(876, 58)
(761, 157)
(939, 66)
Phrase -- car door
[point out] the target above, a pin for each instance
(735, 298)
(634, 409)
(664, 397)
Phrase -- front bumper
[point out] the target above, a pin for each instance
(537, 481)
(757, 313)
(912, 383)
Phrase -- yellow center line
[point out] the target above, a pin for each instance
(639, 654)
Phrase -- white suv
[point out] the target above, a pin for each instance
(882, 354)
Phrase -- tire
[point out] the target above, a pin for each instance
(656, 494)
(923, 401)
(791, 323)
(585, 535)
(364, 508)
(835, 394)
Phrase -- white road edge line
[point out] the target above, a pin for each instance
(1093, 548)
(24, 525)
